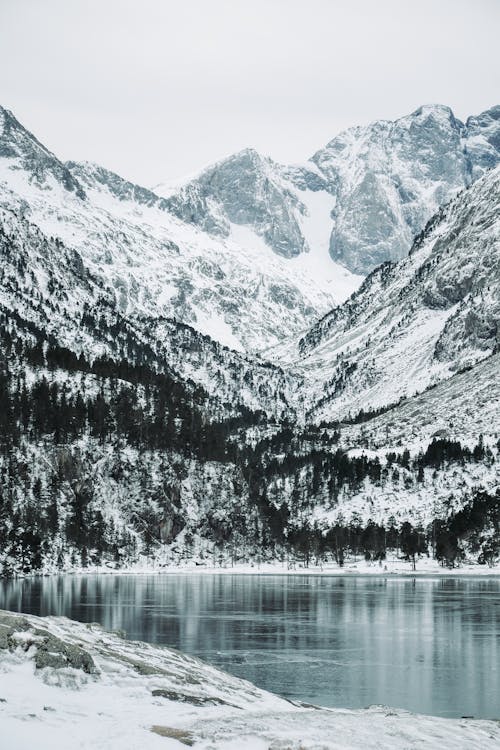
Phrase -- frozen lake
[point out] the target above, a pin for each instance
(431, 645)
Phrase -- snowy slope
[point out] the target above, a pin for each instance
(46, 289)
(114, 694)
(413, 323)
(463, 408)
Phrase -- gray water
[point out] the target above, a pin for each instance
(431, 645)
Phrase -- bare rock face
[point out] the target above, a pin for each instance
(389, 178)
(483, 140)
(245, 189)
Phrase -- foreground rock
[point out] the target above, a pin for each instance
(64, 684)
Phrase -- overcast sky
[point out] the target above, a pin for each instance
(156, 89)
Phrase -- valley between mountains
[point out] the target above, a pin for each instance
(266, 363)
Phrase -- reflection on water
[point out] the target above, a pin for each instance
(429, 645)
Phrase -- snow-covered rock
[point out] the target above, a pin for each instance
(25, 153)
(389, 178)
(137, 695)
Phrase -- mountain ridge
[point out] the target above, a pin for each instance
(201, 285)
(385, 180)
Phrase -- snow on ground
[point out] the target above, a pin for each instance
(393, 565)
(213, 325)
(439, 493)
(461, 408)
(68, 685)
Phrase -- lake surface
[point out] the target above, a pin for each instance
(431, 645)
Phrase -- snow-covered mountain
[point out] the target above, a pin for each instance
(412, 323)
(369, 191)
(389, 178)
(235, 290)
(172, 386)
(48, 294)
(22, 152)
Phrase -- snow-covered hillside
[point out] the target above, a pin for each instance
(413, 323)
(465, 405)
(61, 679)
(48, 294)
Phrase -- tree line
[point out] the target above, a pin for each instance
(277, 479)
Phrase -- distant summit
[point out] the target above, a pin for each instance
(382, 182)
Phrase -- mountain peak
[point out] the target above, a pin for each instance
(390, 177)
(250, 154)
(436, 112)
(492, 114)
(23, 151)
(246, 158)
(15, 135)
(244, 189)
(438, 117)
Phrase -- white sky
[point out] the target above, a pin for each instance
(156, 89)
